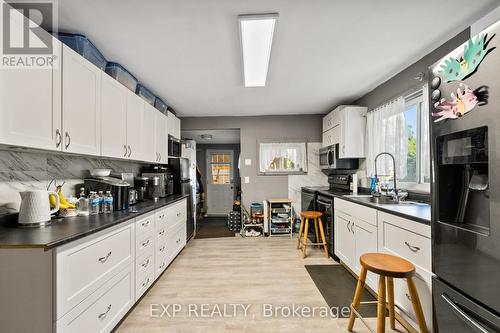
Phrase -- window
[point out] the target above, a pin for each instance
(282, 158)
(401, 128)
(221, 169)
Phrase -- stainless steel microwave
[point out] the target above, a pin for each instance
(329, 159)
(174, 146)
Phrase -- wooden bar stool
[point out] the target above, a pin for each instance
(387, 267)
(305, 216)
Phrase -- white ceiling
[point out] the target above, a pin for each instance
(226, 136)
(324, 53)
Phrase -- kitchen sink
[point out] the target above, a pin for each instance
(383, 200)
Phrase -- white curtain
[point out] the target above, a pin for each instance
(426, 145)
(386, 132)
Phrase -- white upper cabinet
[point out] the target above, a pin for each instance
(81, 104)
(114, 118)
(148, 138)
(161, 138)
(174, 125)
(346, 126)
(30, 109)
(135, 118)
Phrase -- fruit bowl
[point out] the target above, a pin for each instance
(100, 172)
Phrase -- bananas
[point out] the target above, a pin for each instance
(63, 203)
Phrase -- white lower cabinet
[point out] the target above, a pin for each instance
(101, 311)
(360, 229)
(100, 277)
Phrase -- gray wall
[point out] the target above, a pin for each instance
(201, 161)
(306, 127)
(404, 83)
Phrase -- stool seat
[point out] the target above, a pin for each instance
(387, 265)
(310, 214)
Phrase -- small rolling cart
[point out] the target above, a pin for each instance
(280, 217)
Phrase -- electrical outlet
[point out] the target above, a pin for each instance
(248, 162)
(247, 180)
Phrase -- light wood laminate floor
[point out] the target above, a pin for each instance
(249, 271)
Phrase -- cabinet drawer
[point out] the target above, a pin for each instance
(176, 213)
(144, 281)
(162, 232)
(366, 214)
(145, 225)
(162, 263)
(145, 262)
(161, 216)
(83, 267)
(104, 308)
(143, 244)
(407, 244)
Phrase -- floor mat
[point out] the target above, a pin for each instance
(337, 286)
(213, 227)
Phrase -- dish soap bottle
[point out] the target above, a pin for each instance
(82, 205)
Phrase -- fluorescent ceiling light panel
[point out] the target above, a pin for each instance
(256, 32)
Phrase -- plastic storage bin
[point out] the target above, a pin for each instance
(83, 46)
(146, 94)
(161, 105)
(120, 74)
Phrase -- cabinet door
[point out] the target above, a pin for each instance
(352, 132)
(135, 118)
(365, 240)
(176, 127)
(113, 118)
(81, 104)
(161, 136)
(148, 138)
(343, 238)
(30, 110)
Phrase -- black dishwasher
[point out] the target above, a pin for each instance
(324, 204)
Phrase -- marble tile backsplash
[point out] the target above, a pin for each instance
(314, 176)
(20, 171)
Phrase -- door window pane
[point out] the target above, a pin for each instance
(221, 169)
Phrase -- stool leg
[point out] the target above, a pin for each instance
(304, 242)
(301, 229)
(357, 297)
(323, 238)
(381, 305)
(390, 295)
(417, 307)
(316, 232)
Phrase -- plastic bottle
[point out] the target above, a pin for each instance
(108, 203)
(372, 184)
(93, 203)
(101, 202)
(82, 204)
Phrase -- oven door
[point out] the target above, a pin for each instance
(325, 205)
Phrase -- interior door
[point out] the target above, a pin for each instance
(220, 192)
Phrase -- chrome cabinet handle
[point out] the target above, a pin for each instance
(144, 224)
(124, 150)
(412, 248)
(58, 138)
(145, 283)
(161, 216)
(408, 296)
(462, 315)
(348, 225)
(161, 232)
(105, 313)
(162, 265)
(352, 228)
(162, 248)
(178, 214)
(146, 263)
(105, 258)
(68, 140)
(129, 151)
(144, 244)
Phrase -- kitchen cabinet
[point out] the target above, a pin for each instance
(148, 138)
(113, 118)
(412, 241)
(81, 104)
(135, 118)
(365, 241)
(343, 238)
(161, 136)
(174, 125)
(30, 107)
(346, 126)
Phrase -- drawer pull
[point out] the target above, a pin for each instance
(352, 228)
(412, 248)
(144, 244)
(145, 283)
(161, 232)
(145, 224)
(408, 296)
(161, 216)
(162, 265)
(104, 259)
(348, 225)
(105, 313)
(178, 214)
(146, 263)
(162, 248)
(178, 241)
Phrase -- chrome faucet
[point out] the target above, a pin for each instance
(395, 189)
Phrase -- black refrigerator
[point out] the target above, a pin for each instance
(182, 185)
(464, 99)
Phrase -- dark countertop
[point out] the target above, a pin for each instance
(65, 230)
(419, 212)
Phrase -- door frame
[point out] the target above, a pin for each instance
(209, 175)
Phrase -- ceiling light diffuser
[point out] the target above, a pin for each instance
(256, 33)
